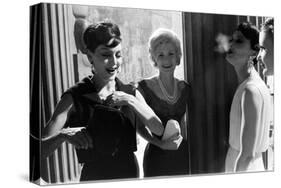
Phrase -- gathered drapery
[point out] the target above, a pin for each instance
(213, 82)
(52, 72)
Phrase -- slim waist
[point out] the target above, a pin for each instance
(155, 149)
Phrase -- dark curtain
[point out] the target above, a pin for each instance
(213, 83)
(57, 74)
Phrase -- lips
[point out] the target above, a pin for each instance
(111, 70)
(167, 66)
(230, 51)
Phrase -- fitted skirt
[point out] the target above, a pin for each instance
(117, 167)
(158, 162)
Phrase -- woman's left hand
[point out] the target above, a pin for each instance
(172, 143)
(118, 98)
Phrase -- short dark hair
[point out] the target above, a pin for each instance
(102, 33)
(251, 33)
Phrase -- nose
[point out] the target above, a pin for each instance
(112, 61)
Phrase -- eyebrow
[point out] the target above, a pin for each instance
(107, 49)
(104, 48)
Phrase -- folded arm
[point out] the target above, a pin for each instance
(139, 106)
(171, 143)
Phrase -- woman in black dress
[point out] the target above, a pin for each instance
(92, 118)
(168, 97)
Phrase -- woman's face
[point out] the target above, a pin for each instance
(106, 61)
(240, 49)
(266, 51)
(165, 57)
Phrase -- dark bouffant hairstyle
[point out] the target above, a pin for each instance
(251, 33)
(102, 33)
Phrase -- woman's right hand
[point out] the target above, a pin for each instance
(172, 143)
(79, 137)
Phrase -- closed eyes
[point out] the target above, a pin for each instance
(108, 55)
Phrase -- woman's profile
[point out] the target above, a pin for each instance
(250, 109)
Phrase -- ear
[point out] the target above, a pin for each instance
(154, 61)
(152, 58)
(178, 60)
(90, 59)
(90, 56)
(93, 68)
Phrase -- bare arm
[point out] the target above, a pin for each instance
(147, 115)
(146, 134)
(59, 117)
(252, 105)
(139, 106)
(172, 143)
(183, 125)
(53, 135)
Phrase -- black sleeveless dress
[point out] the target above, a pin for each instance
(112, 131)
(159, 162)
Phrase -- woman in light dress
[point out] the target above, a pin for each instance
(250, 109)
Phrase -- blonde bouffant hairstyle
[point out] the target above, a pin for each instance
(161, 36)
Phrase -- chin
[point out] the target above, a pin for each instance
(171, 69)
(109, 77)
(228, 59)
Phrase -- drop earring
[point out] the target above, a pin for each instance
(251, 61)
(93, 68)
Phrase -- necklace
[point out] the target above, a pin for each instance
(169, 98)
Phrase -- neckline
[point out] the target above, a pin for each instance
(252, 74)
(179, 96)
(90, 79)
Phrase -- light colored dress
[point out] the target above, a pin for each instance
(237, 122)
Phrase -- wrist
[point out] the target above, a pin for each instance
(62, 135)
(131, 100)
(157, 142)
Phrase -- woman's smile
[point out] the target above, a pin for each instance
(167, 66)
(111, 70)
